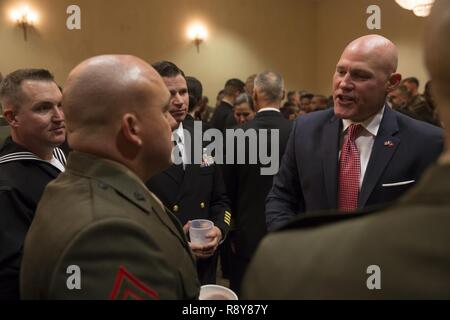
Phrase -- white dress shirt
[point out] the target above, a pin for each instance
(365, 140)
(268, 109)
(178, 136)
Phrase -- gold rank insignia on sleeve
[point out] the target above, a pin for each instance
(227, 218)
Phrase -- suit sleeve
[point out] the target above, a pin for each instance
(15, 219)
(131, 266)
(219, 210)
(285, 198)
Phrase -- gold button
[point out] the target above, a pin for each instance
(202, 205)
(175, 208)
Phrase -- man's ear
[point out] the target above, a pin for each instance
(394, 81)
(131, 129)
(11, 116)
(254, 96)
(283, 95)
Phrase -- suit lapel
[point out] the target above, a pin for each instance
(176, 173)
(383, 149)
(330, 150)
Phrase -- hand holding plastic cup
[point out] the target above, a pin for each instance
(199, 229)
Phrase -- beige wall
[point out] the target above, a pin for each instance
(338, 24)
(301, 39)
(246, 36)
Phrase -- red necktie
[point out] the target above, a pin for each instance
(349, 170)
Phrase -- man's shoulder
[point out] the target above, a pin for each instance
(417, 127)
(315, 119)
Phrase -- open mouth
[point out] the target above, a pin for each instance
(345, 99)
(57, 129)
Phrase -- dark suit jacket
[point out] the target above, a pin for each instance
(308, 176)
(409, 243)
(222, 116)
(248, 189)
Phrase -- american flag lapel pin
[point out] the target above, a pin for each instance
(388, 143)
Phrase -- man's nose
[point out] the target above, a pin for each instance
(346, 82)
(178, 99)
(58, 114)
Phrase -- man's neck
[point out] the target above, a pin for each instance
(44, 153)
(265, 105)
(228, 100)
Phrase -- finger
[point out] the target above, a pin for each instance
(187, 226)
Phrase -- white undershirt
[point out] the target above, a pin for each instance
(365, 140)
(180, 143)
(57, 164)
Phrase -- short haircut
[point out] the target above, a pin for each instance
(412, 80)
(233, 86)
(195, 90)
(404, 91)
(221, 92)
(306, 95)
(245, 98)
(167, 69)
(290, 94)
(10, 87)
(270, 84)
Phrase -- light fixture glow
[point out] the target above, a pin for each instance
(197, 33)
(421, 8)
(24, 17)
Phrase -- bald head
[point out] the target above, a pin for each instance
(115, 107)
(101, 89)
(365, 74)
(437, 49)
(377, 46)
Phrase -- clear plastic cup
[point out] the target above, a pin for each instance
(199, 229)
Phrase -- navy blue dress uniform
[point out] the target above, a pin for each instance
(195, 192)
(100, 219)
(23, 177)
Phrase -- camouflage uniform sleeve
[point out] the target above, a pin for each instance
(114, 259)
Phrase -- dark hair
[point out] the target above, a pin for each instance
(306, 95)
(167, 69)
(404, 90)
(290, 94)
(10, 87)
(233, 86)
(245, 98)
(195, 90)
(411, 80)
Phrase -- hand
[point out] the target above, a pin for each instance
(206, 250)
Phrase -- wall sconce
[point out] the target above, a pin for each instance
(25, 18)
(197, 33)
(421, 8)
